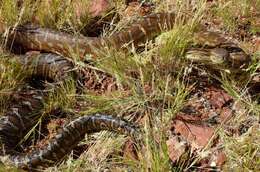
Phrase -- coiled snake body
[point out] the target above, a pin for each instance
(19, 119)
(53, 66)
(27, 107)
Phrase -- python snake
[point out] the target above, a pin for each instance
(46, 40)
(212, 48)
(27, 107)
(41, 39)
(215, 47)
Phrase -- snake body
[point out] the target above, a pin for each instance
(28, 103)
(215, 48)
(46, 40)
(35, 38)
(27, 107)
(48, 66)
(20, 117)
(67, 139)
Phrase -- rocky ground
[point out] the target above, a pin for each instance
(208, 122)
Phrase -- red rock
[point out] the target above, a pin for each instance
(225, 114)
(218, 97)
(197, 135)
(221, 159)
(98, 7)
(176, 148)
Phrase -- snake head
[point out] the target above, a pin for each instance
(205, 56)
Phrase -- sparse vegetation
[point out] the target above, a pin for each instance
(152, 86)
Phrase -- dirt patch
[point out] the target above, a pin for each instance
(195, 128)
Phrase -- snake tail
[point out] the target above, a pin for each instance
(68, 138)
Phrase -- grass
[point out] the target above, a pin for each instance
(236, 13)
(152, 84)
(11, 77)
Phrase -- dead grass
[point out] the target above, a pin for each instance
(152, 85)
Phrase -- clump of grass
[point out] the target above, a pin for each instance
(9, 12)
(179, 37)
(62, 96)
(243, 151)
(14, 13)
(254, 66)
(153, 89)
(11, 77)
(98, 156)
(233, 12)
(62, 13)
(56, 14)
(165, 99)
(242, 148)
(154, 155)
(112, 63)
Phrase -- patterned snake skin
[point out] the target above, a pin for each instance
(23, 113)
(27, 107)
(216, 49)
(34, 38)
(45, 40)
(48, 66)
(67, 139)
(28, 102)
(213, 48)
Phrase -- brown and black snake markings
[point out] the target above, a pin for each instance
(28, 102)
(35, 38)
(25, 110)
(67, 139)
(19, 119)
(22, 114)
(48, 66)
(213, 48)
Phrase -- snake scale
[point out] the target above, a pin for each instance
(46, 40)
(35, 38)
(27, 106)
(214, 48)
